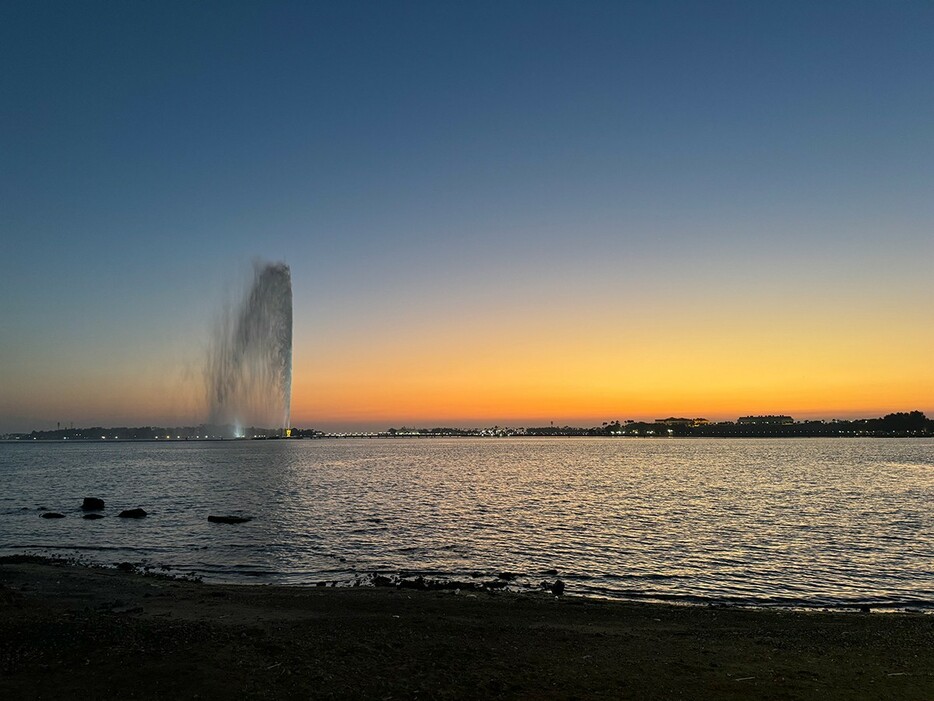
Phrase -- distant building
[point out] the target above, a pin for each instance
(700, 422)
(672, 421)
(769, 420)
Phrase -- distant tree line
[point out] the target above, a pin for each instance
(899, 424)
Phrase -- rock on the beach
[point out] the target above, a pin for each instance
(92, 504)
(92, 517)
(132, 513)
(229, 519)
(557, 588)
(52, 514)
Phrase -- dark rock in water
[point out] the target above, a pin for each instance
(132, 513)
(52, 514)
(126, 566)
(92, 504)
(864, 608)
(380, 580)
(229, 519)
(508, 576)
(553, 573)
(92, 517)
(557, 588)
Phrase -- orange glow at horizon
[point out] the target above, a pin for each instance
(506, 370)
(567, 365)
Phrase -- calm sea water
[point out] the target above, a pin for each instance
(762, 522)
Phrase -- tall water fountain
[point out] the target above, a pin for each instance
(249, 364)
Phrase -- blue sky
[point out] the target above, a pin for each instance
(424, 160)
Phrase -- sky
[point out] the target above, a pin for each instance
(494, 212)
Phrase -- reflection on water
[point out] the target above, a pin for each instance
(762, 521)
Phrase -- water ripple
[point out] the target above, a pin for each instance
(764, 522)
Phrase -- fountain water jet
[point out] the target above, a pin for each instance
(249, 365)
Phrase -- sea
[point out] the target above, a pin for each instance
(754, 522)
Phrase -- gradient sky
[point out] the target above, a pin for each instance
(502, 212)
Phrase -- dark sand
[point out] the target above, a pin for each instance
(75, 632)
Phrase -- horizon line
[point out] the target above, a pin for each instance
(455, 425)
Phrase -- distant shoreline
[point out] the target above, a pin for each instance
(85, 441)
(909, 424)
(841, 436)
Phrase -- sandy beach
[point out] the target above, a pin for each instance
(68, 630)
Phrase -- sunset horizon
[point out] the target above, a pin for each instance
(601, 212)
(379, 423)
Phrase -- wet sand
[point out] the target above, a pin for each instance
(69, 631)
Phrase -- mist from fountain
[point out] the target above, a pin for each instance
(249, 364)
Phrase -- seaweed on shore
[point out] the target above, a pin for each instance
(423, 583)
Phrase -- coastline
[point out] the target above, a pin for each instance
(67, 629)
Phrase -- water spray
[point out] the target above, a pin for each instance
(249, 364)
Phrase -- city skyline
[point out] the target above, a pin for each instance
(494, 213)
